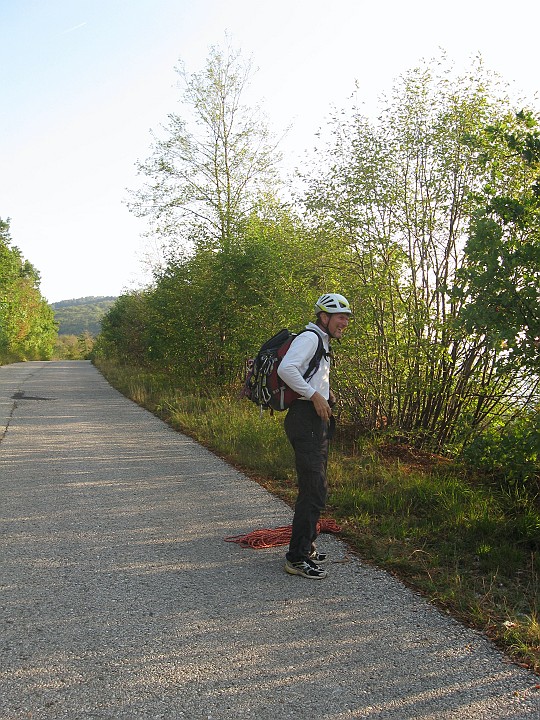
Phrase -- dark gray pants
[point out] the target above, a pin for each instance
(309, 436)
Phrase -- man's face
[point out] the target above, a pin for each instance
(337, 324)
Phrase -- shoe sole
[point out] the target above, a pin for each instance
(297, 571)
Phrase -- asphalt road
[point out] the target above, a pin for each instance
(120, 599)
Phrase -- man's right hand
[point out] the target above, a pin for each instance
(322, 408)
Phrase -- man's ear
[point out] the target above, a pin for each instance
(323, 319)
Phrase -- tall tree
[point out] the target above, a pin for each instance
(215, 161)
(212, 174)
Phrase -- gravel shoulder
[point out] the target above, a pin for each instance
(120, 599)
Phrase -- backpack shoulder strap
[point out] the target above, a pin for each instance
(315, 361)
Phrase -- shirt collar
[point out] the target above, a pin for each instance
(317, 328)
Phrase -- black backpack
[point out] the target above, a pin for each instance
(263, 386)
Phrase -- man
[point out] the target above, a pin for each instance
(308, 425)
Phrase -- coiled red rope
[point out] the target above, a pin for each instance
(274, 537)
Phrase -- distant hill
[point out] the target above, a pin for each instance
(81, 315)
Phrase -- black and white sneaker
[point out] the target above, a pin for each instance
(305, 569)
(318, 558)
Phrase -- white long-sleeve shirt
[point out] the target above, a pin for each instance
(296, 361)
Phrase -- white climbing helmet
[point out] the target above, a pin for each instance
(332, 303)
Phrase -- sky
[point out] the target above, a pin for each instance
(83, 83)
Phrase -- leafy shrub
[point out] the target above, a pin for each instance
(510, 454)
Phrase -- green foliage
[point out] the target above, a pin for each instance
(81, 315)
(509, 454)
(125, 330)
(209, 311)
(73, 347)
(500, 277)
(27, 327)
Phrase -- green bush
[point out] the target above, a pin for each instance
(510, 455)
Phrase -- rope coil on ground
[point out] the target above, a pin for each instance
(274, 537)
